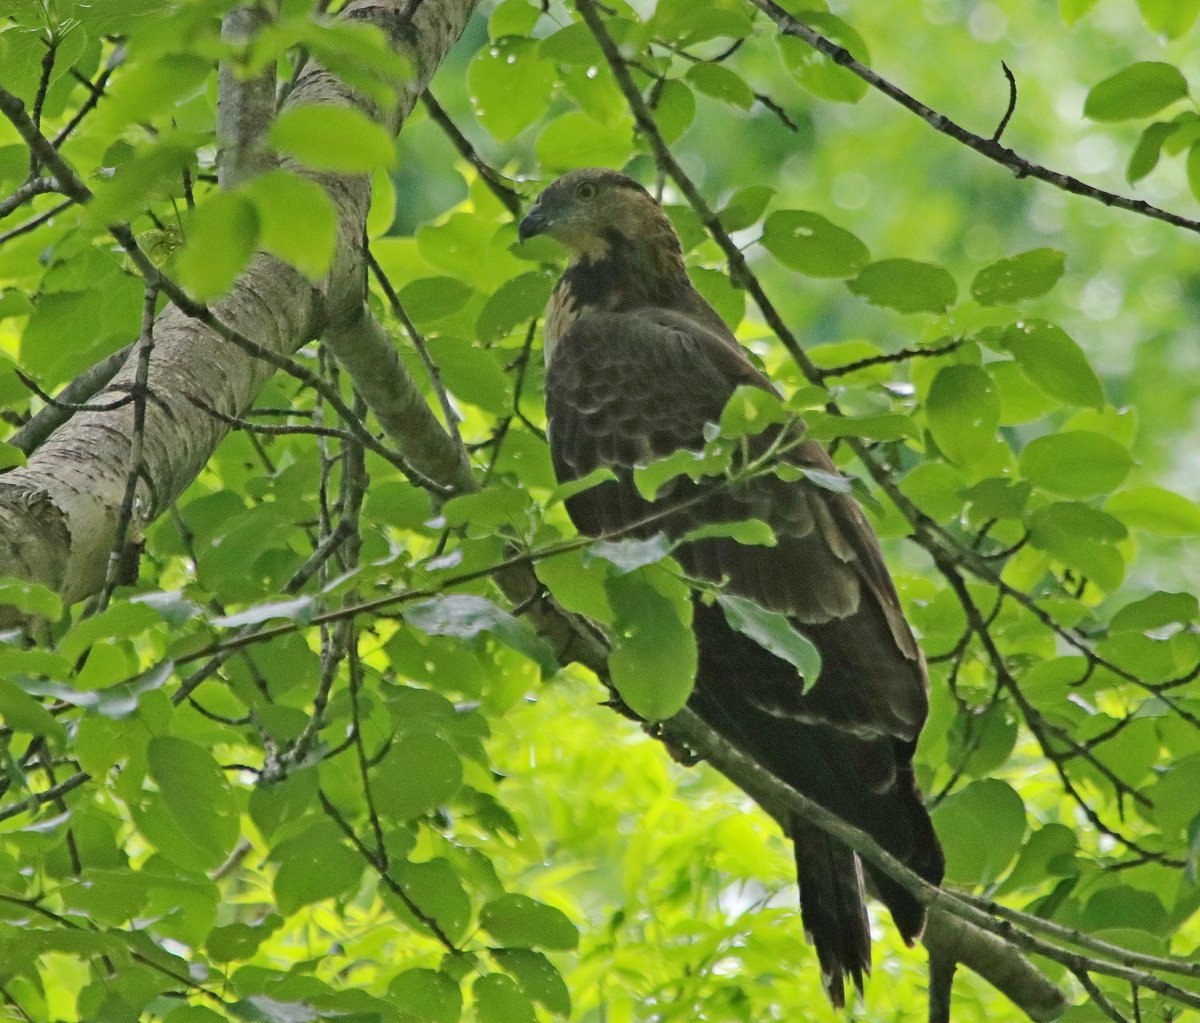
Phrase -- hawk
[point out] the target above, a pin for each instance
(637, 363)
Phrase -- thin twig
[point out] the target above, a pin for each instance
(1012, 102)
(991, 148)
(509, 197)
(418, 340)
(903, 355)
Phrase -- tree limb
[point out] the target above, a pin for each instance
(59, 513)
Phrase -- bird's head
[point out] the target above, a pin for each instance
(593, 212)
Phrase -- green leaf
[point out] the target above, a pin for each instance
(427, 995)
(423, 772)
(1081, 537)
(630, 554)
(1049, 852)
(188, 778)
(687, 23)
(1173, 18)
(1139, 90)
(1051, 360)
(565, 491)
(510, 85)
(1072, 10)
(753, 532)
(466, 617)
(261, 1009)
(675, 109)
(1155, 611)
(517, 301)
(1077, 463)
(906, 285)
(1156, 510)
(10, 457)
(297, 221)
(1124, 907)
(335, 138)
(981, 828)
(963, 410)
(572, 45)
(575, 140)
(1148, 150)
(718, 81)
(818, 73)
(720, 292)
(650, 479)
(1193, 169)
(21, 713)
(31, 598)
(299, 609)
(314, 865)
(488, 508)
(433, 298)
(521, 922)
(222, 235)
(155, 172)
(537, 977)
(1027, 275)
(512, 18)
(811, 244)
(775, 633)
(498, 999)
(746, 207)
(239, 940)
(751, 410)
(936, 488)
(653, 659)
(149, 88)
(437, 892)
(577, 586)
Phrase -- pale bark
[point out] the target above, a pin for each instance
(58, 514)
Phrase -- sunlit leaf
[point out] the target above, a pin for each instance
(336, 138)
(1139, 90)
(811, 244)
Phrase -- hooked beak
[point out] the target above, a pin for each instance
(536, 222)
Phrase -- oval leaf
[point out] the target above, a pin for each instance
(1139, 90)
(963, 410)
(1028, 275)
(653, 659)
(807, 242)
(1077, 463)
(906, 285)
(1053, 362)
(521, 922)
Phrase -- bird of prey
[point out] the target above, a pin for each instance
(637, 363)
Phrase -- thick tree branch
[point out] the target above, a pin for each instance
(245, 106)
(58, 514)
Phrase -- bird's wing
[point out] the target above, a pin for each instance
(623, 389)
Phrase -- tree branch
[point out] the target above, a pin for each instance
(989, 147)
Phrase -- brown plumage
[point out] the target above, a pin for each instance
(637, 364)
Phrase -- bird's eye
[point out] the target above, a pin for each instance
(586, 190)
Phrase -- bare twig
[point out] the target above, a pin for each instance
(991, 148)
(508, 196)
(1012, 102)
